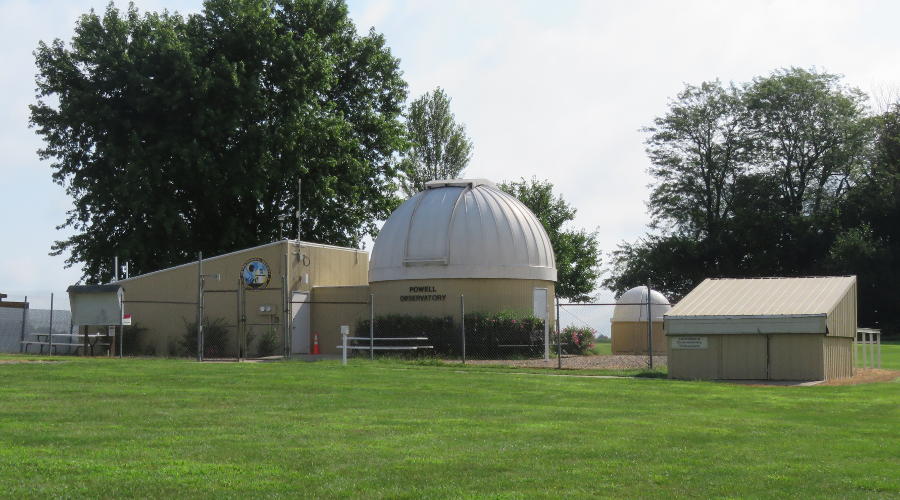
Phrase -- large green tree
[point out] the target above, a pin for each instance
(577, 252)
(181, 134)
(869, 242)
(439, 147)
(749, 180)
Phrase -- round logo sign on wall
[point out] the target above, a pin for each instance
(256, 274)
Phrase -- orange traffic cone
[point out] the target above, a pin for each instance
(316, 343)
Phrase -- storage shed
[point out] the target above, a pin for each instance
(764, 329)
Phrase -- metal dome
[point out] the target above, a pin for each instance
(462, 228)
(628, 306)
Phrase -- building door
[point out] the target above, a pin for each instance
(744, 357)
(540, 311)
(300, 322)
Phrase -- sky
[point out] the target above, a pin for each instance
(556, 90)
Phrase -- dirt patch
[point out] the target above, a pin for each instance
(608, 362)
(866, 376)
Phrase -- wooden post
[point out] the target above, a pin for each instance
(878, 347)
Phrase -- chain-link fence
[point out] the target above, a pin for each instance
(28, 320)
(581, 339)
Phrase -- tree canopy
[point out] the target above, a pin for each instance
(439, 147)
(177, 134)
(577, 252)
(786, 175)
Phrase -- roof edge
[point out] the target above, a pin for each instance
(235, 252)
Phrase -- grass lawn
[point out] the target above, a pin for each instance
(151, 428)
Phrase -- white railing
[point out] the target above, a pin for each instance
(870, 339)
(345, 347)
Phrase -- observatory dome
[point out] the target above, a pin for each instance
(462, 228)
(632, 305)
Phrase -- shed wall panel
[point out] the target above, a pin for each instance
(838, 352)
(743, 357)
(796, 357)
(704, 364)
(842, 319)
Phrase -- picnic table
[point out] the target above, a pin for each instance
(90, 340)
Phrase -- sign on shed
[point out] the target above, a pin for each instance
(96, 304)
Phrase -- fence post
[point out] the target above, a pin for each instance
(547, 312)
(285, 315)
(240, 318)
(199, 306)
(649, 329)
(878, 347)
(871, 342)
(24, 319)
(343, 347)
(50, 329)
(462, 326)
(371, 326)
(558, 338)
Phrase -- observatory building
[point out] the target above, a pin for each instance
(462, 237)
(629, 322)
(458, 237)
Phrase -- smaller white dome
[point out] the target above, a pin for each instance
(632, 305)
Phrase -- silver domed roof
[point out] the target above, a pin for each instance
(462, 228)
(632, 305)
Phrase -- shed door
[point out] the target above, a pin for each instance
(539, 309)
(744, 357)
(300, 323)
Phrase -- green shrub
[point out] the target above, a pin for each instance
(134, 341)
(268, 343)
(503, 335)
(441, 332)
(215, 339)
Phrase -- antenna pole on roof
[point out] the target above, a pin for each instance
(299, 191)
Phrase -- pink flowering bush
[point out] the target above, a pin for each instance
(577, 339)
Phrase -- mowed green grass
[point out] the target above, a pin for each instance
(166, 428)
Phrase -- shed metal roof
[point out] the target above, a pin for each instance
(763, 297)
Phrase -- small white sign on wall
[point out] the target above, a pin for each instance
(682, 342)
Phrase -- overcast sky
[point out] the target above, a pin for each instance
(557, 90)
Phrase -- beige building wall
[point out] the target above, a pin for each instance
(441, 296)
(164, 302)
(696, 364)
(630, 337)
(748, 357)
(796, 357)
(838, 353)
(335, 306)
(841, 320)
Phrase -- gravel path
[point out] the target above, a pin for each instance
(620, 362)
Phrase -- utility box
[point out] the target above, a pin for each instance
(96, 305)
